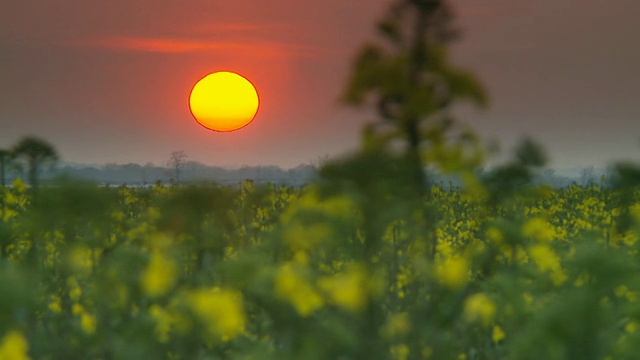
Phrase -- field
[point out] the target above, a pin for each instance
(373, 256)
(340, 269)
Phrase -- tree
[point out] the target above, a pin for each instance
(36, 153)
(411, 81)
(5, 158)
(177, 162)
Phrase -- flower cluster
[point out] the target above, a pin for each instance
(210, 271)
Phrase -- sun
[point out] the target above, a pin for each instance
(224, 101)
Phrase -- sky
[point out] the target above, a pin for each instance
(108, 81)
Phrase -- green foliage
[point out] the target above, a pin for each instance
(409, 77)
(339, 269)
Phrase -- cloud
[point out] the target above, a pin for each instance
(167, 45)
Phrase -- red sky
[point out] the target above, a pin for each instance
(109, 81)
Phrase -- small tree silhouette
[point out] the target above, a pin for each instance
(5, 158)
(36, 153)
(177, 161)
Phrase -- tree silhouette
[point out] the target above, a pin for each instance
(35, 152)
(177, 162)
(410, 79)
(5, 157)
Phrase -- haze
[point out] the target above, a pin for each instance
(109, 81)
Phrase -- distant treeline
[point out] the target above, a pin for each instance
(193, 172)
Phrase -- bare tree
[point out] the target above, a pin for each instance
(177, 161)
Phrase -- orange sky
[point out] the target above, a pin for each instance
(109, 81)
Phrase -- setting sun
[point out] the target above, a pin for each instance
(223, 101)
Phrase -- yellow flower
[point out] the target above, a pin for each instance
(9, 213)
(453, 272)
(19, 186)
(81, 259)
(159, 276)
(54, 305)
(581, 280)
(635, 212)
(497, 334)
(348, 290)
(75, 291)
(399, 352)
(77, 309)
(221, 310)
(631, 327)
(539, 229)
(153, 213)
(117, 216)
(479, 308)
(301, 237)
(494, 235)
(88, 323)
(163, 322)
(14, 346)
(630, 238)
(426, 352)
(159, 241)
(621, 290)
(547, 261)
(290, 286)
(301, 257)
(301, 233)
(544, 257)
(396, 325)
